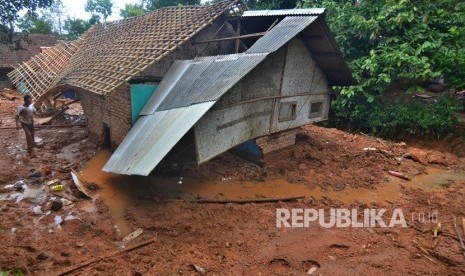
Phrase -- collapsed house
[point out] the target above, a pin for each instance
(12, 55)
(208, 78)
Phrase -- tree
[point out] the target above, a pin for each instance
(9, 15)
(101, 7)
(76, 27)
(388, 40)
(391, 41)
(271, 4)
(131, 10)
(34, 24)
(157, 4)
(56, 15)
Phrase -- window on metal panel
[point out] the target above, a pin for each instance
(315, 109)
(287, 111)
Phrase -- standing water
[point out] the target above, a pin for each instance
(120, 192)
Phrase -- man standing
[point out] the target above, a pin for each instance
(24, 116)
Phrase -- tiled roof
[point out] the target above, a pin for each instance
(114, 52)
(11, 57)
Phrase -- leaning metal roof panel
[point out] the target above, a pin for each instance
(152, 137)
(207, 79)
(313, 11)
(172, 77)
(288, 28)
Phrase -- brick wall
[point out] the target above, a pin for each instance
(277, 146)
(114, 110)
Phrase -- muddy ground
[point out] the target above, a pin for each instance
(329, 169)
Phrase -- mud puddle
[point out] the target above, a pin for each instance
(120, 192)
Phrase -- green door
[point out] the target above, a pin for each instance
(140, 94)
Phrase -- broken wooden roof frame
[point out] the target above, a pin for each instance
(39, 73)
(112, 53)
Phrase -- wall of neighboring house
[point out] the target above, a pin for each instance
(275, 96)
(113, 110)
(4, 80)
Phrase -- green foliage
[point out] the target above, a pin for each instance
(99, 7)
(271, 4)
(76, 27)
(35, 24)
(400, 118)
(131, 10)
(386, 41)
(9, 14)
(157, 4)
(12, 272)
(406, 39)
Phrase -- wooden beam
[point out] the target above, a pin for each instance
(238, 34)
(232, 38)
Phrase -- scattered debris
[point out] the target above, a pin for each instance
(424, 96)
(133, 235)
(42, 256)
(95, 260)
(199, 269)
(399, 174)
(460, 237)
(19, 185)
(311, 270)
(35, 174)
(79, 185)
(8, 96)
(435, 254)
(338, 245)
(51, 182)
(437, 229)
(66, 202)
(310, 266)
(57, 188)
(57, 204)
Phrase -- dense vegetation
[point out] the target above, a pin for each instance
(385, 42)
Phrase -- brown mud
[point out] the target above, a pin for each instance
(330, 168)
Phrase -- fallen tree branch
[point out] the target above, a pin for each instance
(107, 256)
(436, 254)
(246, 200)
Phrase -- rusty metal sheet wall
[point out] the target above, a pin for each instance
(220, 130)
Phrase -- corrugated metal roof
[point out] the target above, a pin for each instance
(169, 81)
(152, 137)
(288, 28)
(313, 11)
(205, 79)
